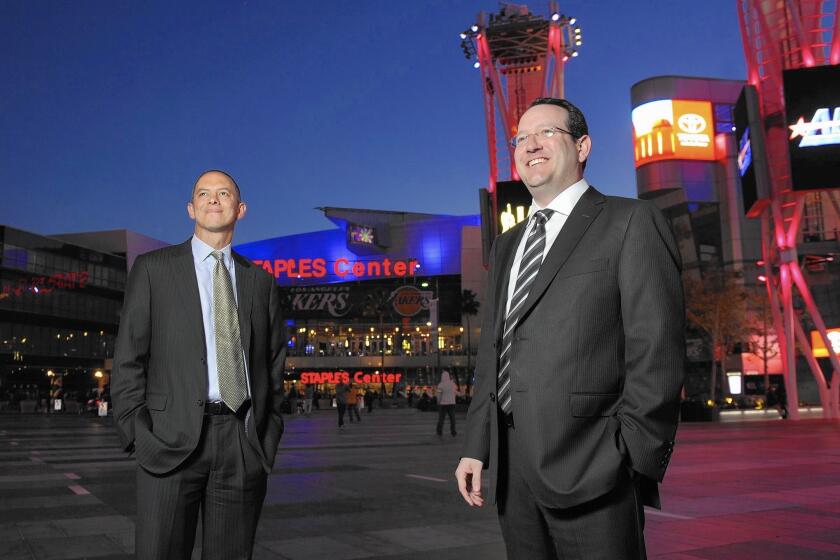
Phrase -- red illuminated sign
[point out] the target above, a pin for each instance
(43, 285)
(317, 268)
(333, 377)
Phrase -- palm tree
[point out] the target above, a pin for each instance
(377, 304)
(469, 307)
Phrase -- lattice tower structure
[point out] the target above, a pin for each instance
(521, 57)
(779, 35)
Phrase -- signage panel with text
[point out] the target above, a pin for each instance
(673, 129)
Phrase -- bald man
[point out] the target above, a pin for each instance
(200, 342)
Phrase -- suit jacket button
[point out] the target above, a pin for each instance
(203, 361)
(199, 402)
(493, 397)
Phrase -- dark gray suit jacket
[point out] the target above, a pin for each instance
(597, 360)
(159, 382)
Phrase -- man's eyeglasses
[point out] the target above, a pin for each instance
(547, 132)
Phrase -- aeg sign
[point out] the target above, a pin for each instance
(673, 129)
(812, 106)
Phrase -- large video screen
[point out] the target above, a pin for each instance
(673, 129)
(812, 103)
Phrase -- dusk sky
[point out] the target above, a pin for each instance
(109, 110)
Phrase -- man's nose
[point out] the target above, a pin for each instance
(531, 143)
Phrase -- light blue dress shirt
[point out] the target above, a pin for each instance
(204, 264)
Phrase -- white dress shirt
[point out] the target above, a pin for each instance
(204, 264)
(562, 205)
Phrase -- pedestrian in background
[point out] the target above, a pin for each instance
(341, 402)
(353, 404)
(446, 390)
(308, 395)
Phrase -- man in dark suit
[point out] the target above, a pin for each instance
(199, 344)
(580, 362)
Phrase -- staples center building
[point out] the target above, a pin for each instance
(359, 300)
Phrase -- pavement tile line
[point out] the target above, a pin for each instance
(757, 489)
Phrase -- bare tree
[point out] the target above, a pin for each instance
(722, 308)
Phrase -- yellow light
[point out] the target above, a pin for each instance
(659, 141)
(416, 329)
(440, 329)
(729, 400)
(23, 340)
(396, 329)
(461, 329)
(371, 329)
(84, 333)
(349, 329)
(97, 374)
(428, 323)
(58, 337)
(101, 333)
(50, 373)
(710, 402)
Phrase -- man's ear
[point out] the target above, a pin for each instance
(584, 148)
(191, 210)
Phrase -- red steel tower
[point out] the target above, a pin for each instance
(521, 56)
(782, 35)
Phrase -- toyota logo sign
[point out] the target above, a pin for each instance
(692, 123)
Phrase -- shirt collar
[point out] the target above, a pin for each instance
(564, 202)
(202, 250)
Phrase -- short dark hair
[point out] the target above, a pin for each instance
(225, 173)
(575, 121)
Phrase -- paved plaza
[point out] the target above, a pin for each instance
(385, 489)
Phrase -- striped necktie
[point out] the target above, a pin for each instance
(528, 268)
(229, 362)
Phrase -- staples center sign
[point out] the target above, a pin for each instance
(343, 268)
(673, 129)
(341, 376)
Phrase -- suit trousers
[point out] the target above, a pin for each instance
(609, 527)
(223, 480)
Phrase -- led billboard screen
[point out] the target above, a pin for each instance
(673, 129)
(812, 105)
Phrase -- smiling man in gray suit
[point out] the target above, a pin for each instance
(580, 363)
(199, 343)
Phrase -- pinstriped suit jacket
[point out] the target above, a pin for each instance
(159, 383)
(597, 360)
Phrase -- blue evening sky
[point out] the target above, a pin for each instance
(109, 109)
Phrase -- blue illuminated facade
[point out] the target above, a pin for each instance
(405, 245)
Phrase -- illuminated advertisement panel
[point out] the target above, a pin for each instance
(361, 235)
(512, 203)
(673, 129)
(812, 105)
(818, 346)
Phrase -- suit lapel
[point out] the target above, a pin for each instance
(244, 297)
(582, 216)
(507, 251)
(186, 282)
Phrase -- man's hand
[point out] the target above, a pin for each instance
(468, 475)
